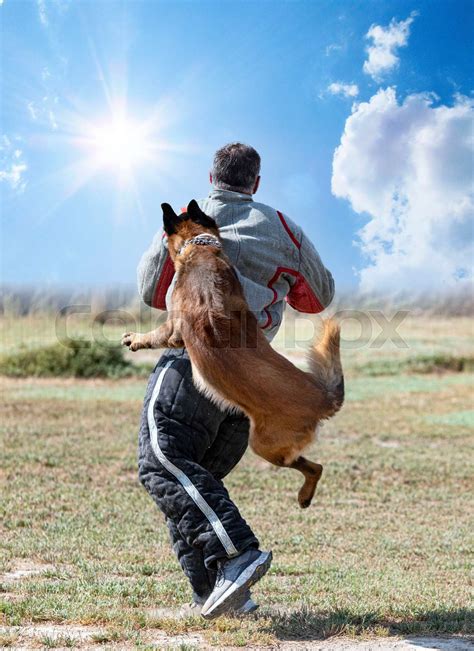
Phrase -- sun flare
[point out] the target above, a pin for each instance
(117, 145)
(122, 144)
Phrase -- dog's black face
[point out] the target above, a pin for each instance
(172, 221)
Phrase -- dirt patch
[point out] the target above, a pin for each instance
(387, 444)
(172, 613)
(163, 641)
(87, 637)
(22, 569)
(60, 636)
(27, 637)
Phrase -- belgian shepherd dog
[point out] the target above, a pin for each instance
(232, 362)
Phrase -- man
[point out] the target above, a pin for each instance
(187, 444)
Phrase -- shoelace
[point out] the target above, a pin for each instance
(220, 576)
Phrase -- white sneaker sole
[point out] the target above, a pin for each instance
(233, 595)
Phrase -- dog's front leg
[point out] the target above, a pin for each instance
(167, 336)
(175, 339)
(163, 337)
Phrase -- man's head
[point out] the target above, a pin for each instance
(236, 167)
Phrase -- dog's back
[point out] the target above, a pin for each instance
(232, 358)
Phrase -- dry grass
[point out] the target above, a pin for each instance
(384, 550)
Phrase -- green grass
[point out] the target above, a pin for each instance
(455, 419)
(358, 388)
(384, 550)
(62, 641)
(426, 338)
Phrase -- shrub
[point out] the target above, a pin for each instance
(78, 359)
(418, 364)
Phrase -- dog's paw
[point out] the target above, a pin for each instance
(127, 338)
(305, 496)
(132, 340)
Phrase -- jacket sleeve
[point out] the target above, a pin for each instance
(155, 273)
(313, 289)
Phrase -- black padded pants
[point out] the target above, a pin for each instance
(187, 446)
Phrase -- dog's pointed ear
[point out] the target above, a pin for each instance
(193, 208)
(198, 216)
(170, 219)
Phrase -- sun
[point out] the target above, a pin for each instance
(121, 143)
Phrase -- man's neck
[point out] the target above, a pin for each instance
(216, 187)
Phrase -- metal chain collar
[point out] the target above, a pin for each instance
(204, 239)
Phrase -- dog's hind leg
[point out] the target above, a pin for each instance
(312, 471)
(312, 474)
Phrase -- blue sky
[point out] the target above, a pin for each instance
(290, 78)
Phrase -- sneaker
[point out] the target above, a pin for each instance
(234, 578)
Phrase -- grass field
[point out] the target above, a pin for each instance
(384, 549)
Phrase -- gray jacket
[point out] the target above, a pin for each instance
(273, 258)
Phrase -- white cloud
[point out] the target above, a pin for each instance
(32, 110)
(42, 13)
(332, 47)
(408, 167)
(348, 90)
(52, 120)
(385, 43)
(49, 9)
(44, 111)
(12, 165)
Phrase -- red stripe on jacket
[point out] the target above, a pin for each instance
(288, 230)
(301, 297)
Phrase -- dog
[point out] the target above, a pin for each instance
(232, 362)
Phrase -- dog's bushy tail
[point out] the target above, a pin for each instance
(325, 366)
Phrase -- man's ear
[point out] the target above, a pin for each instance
(170, 219)
(195, 213)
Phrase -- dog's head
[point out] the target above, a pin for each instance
(186, 225)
